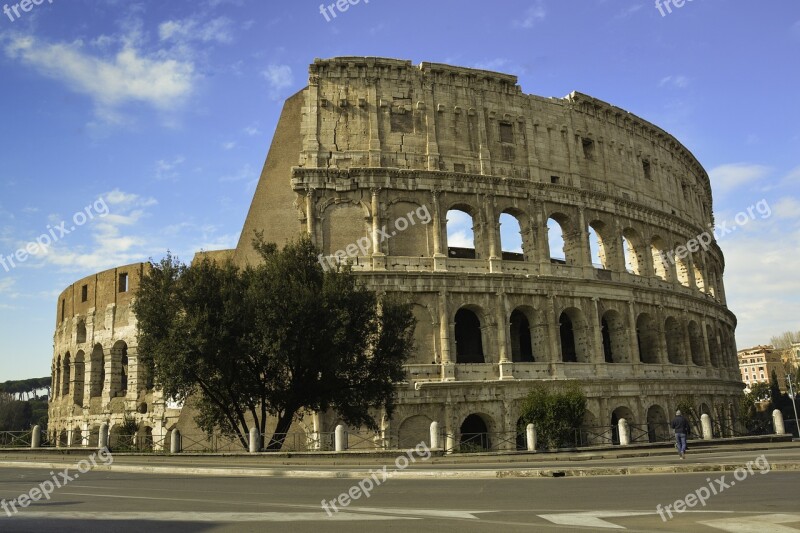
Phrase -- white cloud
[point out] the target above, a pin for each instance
(678, 81)
(229, 145)
(192, 29)
(279, 78)
(252, 130)
(535, 13)
(128, 76)
(459, 230)
(787, 208)
(167, 169)
(726, 178)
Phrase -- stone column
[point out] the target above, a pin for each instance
(706, 348)
(448, 368)
(311, 215)
(663, 355)
(598, 356)
(493, 231)
(439, 257)
(634, 339)
(554, 331)
(506, 366)
(378, 256)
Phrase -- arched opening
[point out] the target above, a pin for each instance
(97, 372)
(616, 415)
(567, 332)
(647, 335)
(572, 329)
(600, 256)
(413, 430)
(77, 438)
(77, 392)
(144, 439)
(661, 265)
(469, 341)
(675, 341)
(658, 429)
(631, 247)
(57, 383)
(119, 369)
(615, 342)
(66, 375)
(80, 334)
(474, 434)
(565, 247)
(713, 346)
(696, 343)
(521, 345)
(699, 278)
(461, 233)
(682, 270)
(511, 238)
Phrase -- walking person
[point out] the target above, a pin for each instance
(681, 427)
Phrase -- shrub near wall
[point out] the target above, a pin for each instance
(556, 411)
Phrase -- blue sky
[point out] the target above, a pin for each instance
(164, 112)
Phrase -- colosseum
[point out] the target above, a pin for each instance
(631, 307)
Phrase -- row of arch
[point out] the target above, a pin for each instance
(583, 240)
(103, 370)
(480, 430)
(674, 341)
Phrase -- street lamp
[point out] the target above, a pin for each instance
(794, 403)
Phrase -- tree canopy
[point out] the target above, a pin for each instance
(274, 339)
(26, 387)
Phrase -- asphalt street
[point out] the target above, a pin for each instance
(105, 501)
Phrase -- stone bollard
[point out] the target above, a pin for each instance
(705, 421)
(36, 437)
(530, 437)
(624, 433)
(435, 436)
(102, 438)
(450, 443)
(777, 421)
(175, 441)
(340, 443)
(255, 440)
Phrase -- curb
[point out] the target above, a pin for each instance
(409, 474)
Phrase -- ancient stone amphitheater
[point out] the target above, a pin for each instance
(373, 149)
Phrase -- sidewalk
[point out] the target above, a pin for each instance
(710, 456)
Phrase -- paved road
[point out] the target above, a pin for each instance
(110, 502)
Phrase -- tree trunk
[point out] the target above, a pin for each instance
(281, 430)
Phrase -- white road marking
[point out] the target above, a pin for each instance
(592, 519)
(177, 516)
(756, 524)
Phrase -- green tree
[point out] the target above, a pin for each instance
(556, 410)
(760, 392)
(275, 339)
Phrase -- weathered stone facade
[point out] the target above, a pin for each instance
(371, 140)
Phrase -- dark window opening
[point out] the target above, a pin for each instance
(123, 283)
(506, 132)
(84, 293)
(474, 434)
(63, 309)
(469, 343)
(521, 347)
(554, 179)
(568, 352)
(646, 169)
(609, 356)
(459, 167)
(588, 149)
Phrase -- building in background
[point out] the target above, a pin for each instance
(757, 363)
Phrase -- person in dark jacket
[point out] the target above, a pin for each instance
(681, 427)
